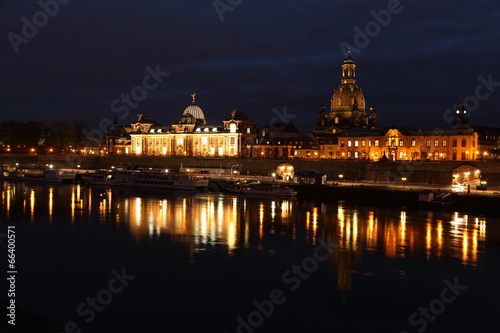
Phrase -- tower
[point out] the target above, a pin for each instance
(347, 107)
(461, 116)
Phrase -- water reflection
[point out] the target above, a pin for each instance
(211, 220)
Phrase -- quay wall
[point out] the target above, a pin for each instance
(415, 172)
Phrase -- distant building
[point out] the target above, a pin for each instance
(191, 136)
(349, 132)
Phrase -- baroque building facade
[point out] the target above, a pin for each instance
(191, 136)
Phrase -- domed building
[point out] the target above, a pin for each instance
(191, 136)
(347, 105)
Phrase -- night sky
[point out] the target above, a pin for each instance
(262, 55)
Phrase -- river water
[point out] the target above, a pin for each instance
(98, 259)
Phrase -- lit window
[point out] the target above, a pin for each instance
(248, 129)
(445, 143)
(428, 143)
(401, 143)
(205, 129)
(232, 128)
(436, 143)
(349, 143)
(363, 143)
(204, 140)
(180, 141)
(413, 142)
(377, 143)
(342, 143)
(214, 129)
(356, 143)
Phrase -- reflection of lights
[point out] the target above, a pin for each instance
(440, 237)
(402, 232)
(465, 245)
(261, 220)
(32, 204)
(273, 210)
(137, 208)
(428, 239)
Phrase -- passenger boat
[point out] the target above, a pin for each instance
(36, 173)
(164, 180)
(262, 189)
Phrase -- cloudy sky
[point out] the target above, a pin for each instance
(254, 56)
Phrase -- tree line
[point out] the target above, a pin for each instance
(34, 136)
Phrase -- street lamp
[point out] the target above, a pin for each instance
(340, 177)
(404, 182)
(232, 166)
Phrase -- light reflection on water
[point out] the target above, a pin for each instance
(243, 222)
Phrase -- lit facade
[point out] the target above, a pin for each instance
(191, 136)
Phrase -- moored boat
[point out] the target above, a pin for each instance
(262, 189)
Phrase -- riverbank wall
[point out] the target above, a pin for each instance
(441, 172)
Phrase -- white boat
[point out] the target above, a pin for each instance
(262, 189)
(102, 177)
(38, 174)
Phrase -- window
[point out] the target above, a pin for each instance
(232, 128)
(401, 143)
(204, 140)
(428, 143)
(349, 143)
(464, 143)
(336, 120)
(232, 140)
(377, 143)
(413, 142)
(356, 143)
(445, 142)
(180, 141)
(363, 143)
(248, 129)
(436, 143)
(454, 143)
(342, 143)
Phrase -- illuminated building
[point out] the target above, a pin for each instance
(348, 132)
(191, 136)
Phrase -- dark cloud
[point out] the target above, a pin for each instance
(263, 55)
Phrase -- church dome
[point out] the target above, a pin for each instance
(345, 96)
